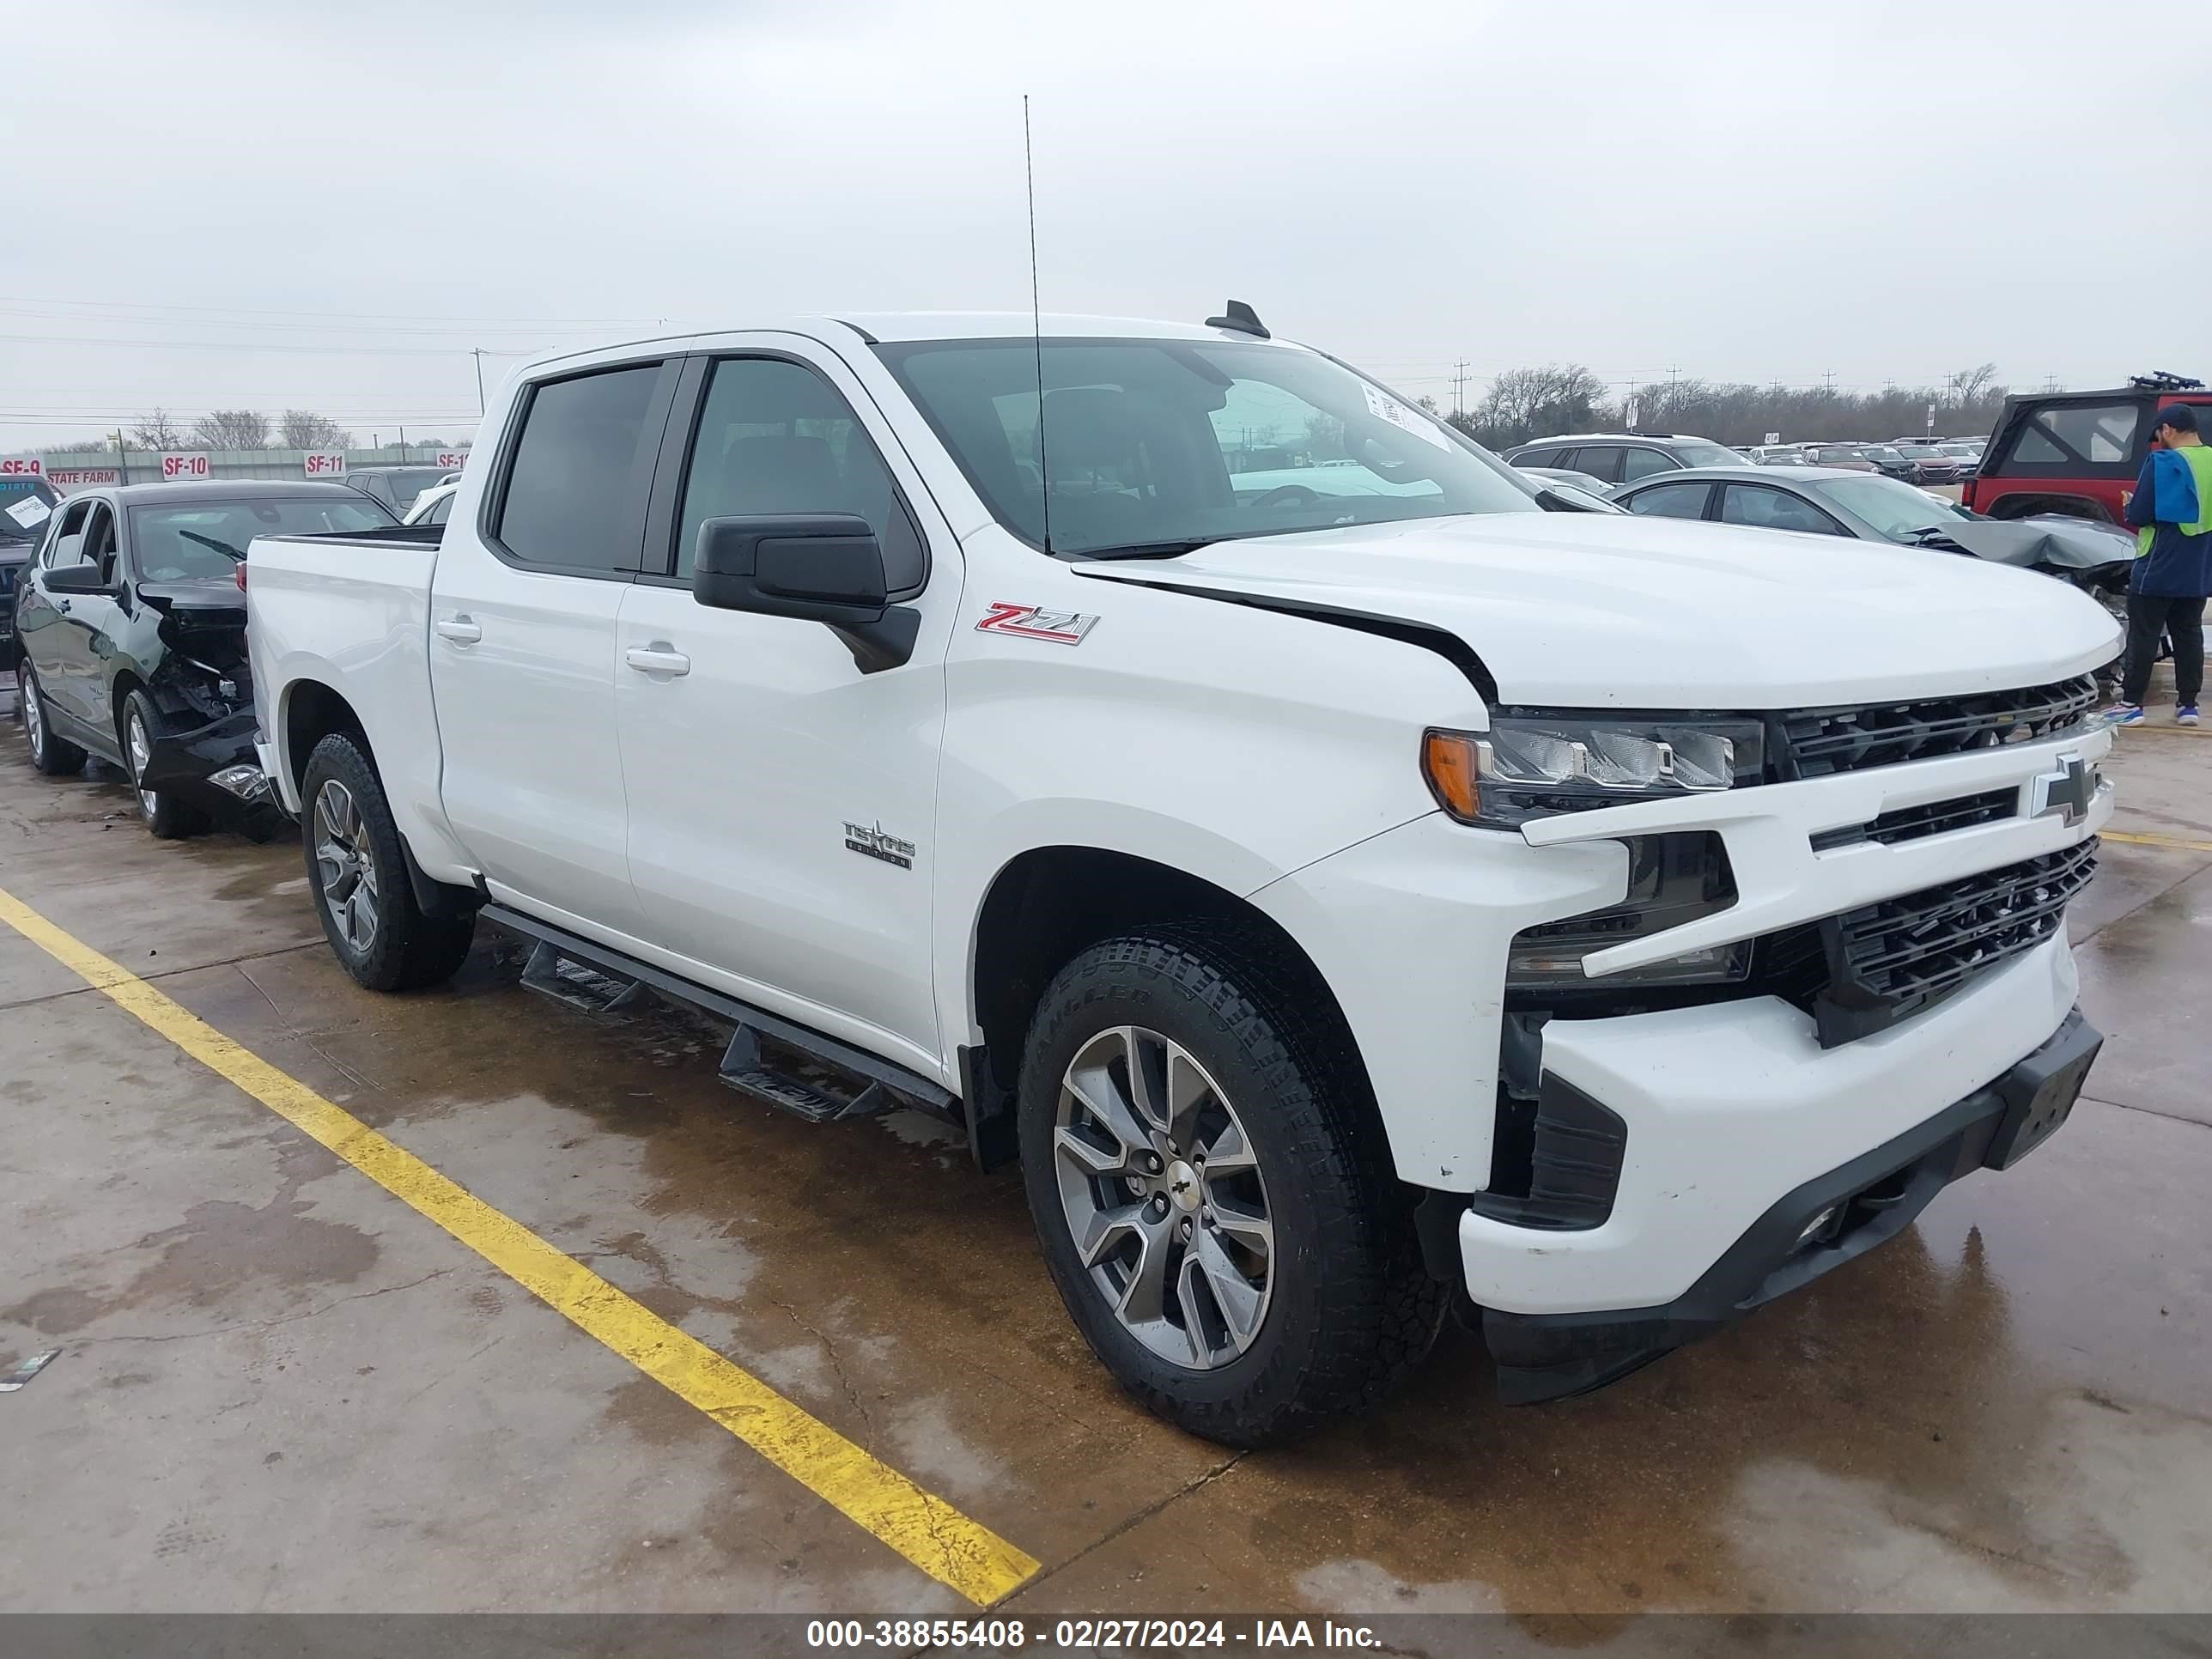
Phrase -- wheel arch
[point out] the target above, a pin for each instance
(1047, 904)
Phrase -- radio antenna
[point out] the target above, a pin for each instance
(1037, 324)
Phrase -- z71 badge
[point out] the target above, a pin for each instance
(1033, 621)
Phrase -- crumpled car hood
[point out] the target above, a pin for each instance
(1593, 611)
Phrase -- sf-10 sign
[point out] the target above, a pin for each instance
(195, 465)
(325, 466)
(451, 459)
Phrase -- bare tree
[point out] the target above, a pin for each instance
(1528, 403)
(1974, 385)
(157, 431)
(300, 428)
(232, 428)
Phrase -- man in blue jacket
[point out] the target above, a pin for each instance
(2171, 511)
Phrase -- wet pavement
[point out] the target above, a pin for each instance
(279, 1388)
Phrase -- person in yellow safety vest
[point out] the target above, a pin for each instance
(2171, 511)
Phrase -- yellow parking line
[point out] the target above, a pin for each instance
(2175, 842)
(929, 1532)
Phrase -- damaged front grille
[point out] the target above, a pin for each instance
(1889, 960)
(1815, 743)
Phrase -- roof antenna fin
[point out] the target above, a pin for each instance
(1243, 318)
(1037, 324)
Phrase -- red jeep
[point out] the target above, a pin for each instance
(2075, 453)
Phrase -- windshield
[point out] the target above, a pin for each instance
(1159, 446)
(201, 539)
(1891, 507)
(1919, 452)
(26, 504)
(1880, 452)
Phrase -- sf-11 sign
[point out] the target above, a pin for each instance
(451, 459)
(329, 465)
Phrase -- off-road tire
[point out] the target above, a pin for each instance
(55, 756)
(1353, 1309)
(168, 819)
(410, 950)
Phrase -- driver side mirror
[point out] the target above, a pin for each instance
(813, 567)
(76, 578)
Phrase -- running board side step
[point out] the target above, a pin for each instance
(597, 979)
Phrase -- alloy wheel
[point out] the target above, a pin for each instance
(1164, 1199)
(142, 751)
(27, 701)
(345, 865)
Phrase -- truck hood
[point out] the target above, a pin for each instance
(1578, 610)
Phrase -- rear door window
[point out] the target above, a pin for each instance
(1600, 461)
(1671, 500)
(574, 489)
(1641, 462)
(1540, 457)
(1774, 509)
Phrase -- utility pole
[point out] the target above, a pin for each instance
(478, 354)
(403, 445)
(1459, 388)
(1829, 377)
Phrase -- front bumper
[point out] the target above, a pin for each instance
(1820, 1224)
(187, 763)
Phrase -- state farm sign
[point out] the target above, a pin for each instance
(19, 466)
(193, 465)
(71, 477)
(331, 465)
(451, 459)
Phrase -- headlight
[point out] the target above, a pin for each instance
(1532, 765)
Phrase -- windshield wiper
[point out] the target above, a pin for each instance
(1153, 549)
(223, 548)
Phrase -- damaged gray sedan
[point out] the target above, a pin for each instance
(130, 638)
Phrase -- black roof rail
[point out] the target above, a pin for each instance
(2160, 379)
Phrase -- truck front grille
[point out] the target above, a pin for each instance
(1889, 960)
(1813, 743)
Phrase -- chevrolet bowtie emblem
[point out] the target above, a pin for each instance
(2071, 791)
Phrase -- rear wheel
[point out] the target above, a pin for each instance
(49, 753)
(1213, 1195)
(357, 871)
(159, 810)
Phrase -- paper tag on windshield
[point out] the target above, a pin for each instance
(1384, 407)
(30, 511)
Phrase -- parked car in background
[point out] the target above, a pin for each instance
(397, 487)
(1927, 464)
(1614, 458)
(1776, 454)
(25, 505)
(2076, 452)
(1560, 475)
(1846, 456)
(434, 505)
(130, 638)
(1886, 459)
(1967, 456)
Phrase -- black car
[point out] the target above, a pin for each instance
(1614, 458)
(130, 637)
(27, 502)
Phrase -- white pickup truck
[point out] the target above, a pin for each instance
(1341, 901)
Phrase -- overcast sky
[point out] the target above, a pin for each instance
(254, 202)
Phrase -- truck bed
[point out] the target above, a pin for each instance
(352, 614)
